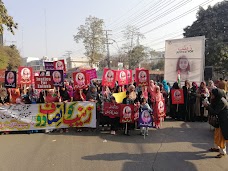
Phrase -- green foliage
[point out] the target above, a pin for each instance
(4, 58)
(14, 57)
(10, 58)
(6, 20)
(137, 55)
(92, 36)
(213, 24)
(159, 65)
(136, 52)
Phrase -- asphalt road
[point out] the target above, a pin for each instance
(177, 146)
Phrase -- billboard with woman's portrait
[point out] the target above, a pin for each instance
(185, 56)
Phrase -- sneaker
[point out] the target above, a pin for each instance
(219, 156)
(113, 133)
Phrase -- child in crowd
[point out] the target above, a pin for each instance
(145, 106)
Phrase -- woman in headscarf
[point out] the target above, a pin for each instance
(202, 94)
(70, 92)
(174, 113)
(192, 102)
(78, 95)
(106, 93)
(118, 89)
(114, 121)
(15, 94)
(132, 93)
(104, 96)
(156, 99)
(51, 96)
(92, 96)
(65, 97)
(151, 90)
(185, 106)
(219, 107)
(165, 86)
(145, 92)
(211, 85)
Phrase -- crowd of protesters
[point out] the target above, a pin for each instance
(141, 97)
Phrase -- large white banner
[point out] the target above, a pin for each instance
(47, 116)
(185, 56)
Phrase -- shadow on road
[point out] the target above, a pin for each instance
(194, 133)
(147, 161)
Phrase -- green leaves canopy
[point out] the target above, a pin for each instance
(10, 58)
(92, 36)
(213, 23)
(137, 55)
(6, 20)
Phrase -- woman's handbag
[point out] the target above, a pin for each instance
(213, 121)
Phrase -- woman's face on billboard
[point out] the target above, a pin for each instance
(183, 64)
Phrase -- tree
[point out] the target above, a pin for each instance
(132, 36)
(213, 24)
(92, 36)
(4, 58)
(6, 20)
(10, 57)
(137, 55)
(159, 65)
(14, 57)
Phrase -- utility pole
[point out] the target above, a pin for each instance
(108, 43)
(68, 53)
(130, 51)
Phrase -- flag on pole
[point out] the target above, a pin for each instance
(179, 78)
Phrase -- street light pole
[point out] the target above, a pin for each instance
(107, 43)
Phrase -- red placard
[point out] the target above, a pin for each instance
(80, 79)
(108, 78)
(142, 77)
(126, 113)
(177, 96)
(25, 75)
(43, 82)
(2, 75)
(159, 108)
(121, 76)
(92, 73)
(60, 65)
(129, 76)
(111, 110)
(10, 79)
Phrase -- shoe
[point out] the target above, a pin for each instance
(213, 150)
(61, 131)
(113, 132)
(219, 156)
(147, 134)
(67, 130)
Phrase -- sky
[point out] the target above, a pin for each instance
(46, 27)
